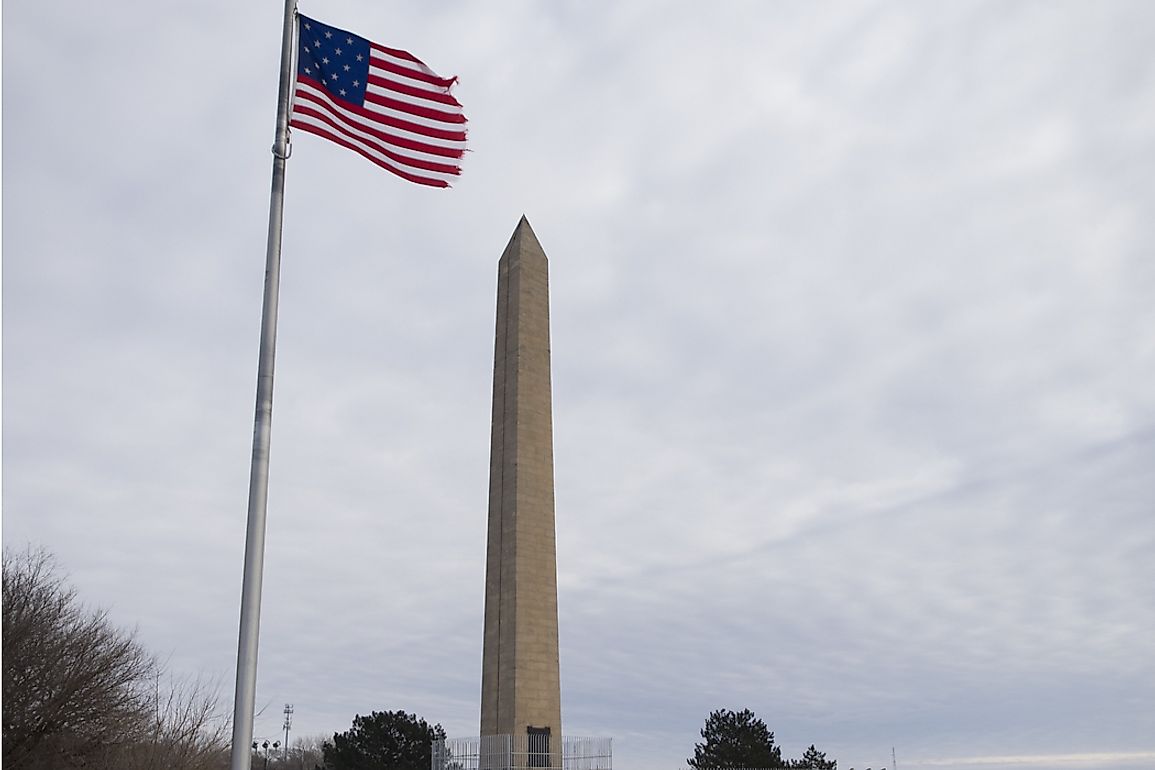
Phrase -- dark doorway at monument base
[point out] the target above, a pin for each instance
(538, 746)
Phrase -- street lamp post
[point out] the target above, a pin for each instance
(266, 746)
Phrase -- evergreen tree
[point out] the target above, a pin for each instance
(384, 740)
(735, 739)
(814, 759)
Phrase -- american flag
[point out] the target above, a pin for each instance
(380, 102)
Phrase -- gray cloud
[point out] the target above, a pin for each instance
(852, 342)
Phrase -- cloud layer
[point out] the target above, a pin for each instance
(852, 338)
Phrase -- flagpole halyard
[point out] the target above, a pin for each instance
(245, 698)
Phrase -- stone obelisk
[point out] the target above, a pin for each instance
(520, 682)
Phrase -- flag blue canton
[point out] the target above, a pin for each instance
(382, 103)
(335, 58)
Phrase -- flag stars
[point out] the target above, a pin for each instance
(333, 73)
(335, 60)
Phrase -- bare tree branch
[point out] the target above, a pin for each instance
(79, 692)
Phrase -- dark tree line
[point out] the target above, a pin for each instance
(80, 692)
(383, 740)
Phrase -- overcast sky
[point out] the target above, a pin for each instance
(853, 317)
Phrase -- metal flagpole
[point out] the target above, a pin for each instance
(245, 700)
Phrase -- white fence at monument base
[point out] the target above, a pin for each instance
(522, 752)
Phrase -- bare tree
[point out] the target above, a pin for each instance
(307, 753)
(73, 684)
(80, 692)
(186, 729)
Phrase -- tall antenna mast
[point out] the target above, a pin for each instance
(289, 724)
(893, 761)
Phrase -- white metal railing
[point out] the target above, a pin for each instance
(522, 752)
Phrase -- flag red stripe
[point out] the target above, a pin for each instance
(396, 157)
(408, 90)
(314, 107)
(396, 52)
(446, 134)
(413, 109)
(421, 72)
(321, 111)
(384, 104)
(369, 156)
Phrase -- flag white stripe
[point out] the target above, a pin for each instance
(403, 115)
(375, 53)
(430, 102)
(382, 103)
(339, 126)
(324, 102)
(436, 91)
(399, 155)
(372, 150)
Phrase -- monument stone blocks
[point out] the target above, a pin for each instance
(521, 692)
